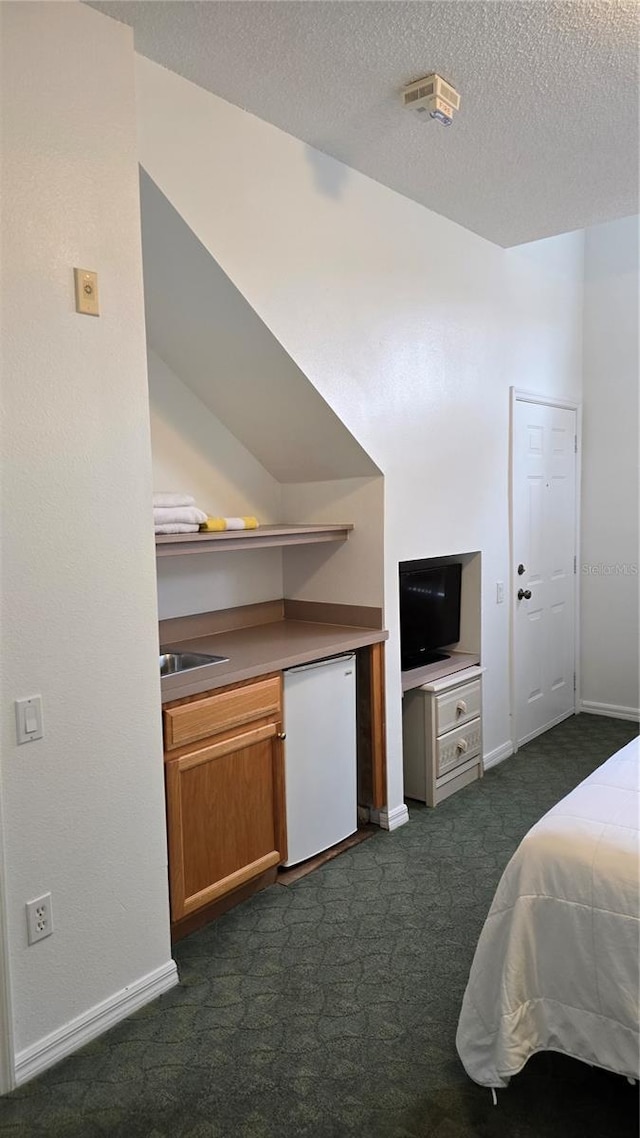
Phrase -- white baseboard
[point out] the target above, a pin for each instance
(498, 755)
(93, 1022)
(390, 819)
(610, 709)
(547, 727)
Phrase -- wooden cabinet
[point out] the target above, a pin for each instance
(372, 754)
(224, 773)
(442, 735)
(224, 767)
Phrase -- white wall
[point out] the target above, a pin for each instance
(410, 327)
(193, 452)
(349, 574)
(609, 576)
(204, 328)
(83, 807)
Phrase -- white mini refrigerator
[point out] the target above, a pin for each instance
(320, 755)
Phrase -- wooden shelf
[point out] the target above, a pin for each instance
(177, 544)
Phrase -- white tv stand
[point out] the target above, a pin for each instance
(457, 662)
(442, 730)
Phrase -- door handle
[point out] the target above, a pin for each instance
(520, 569)
(281, 735)
(524, 594)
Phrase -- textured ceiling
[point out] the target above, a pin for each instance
(546, 140)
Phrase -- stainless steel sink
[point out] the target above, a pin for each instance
(172, 662)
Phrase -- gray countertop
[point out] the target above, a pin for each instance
(262, 648)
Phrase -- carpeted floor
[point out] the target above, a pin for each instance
(328, 1008)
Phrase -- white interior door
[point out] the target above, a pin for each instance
(544, 446)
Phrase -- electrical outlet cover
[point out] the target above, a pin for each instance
(39, 918)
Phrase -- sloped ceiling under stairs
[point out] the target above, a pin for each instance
(209, 335)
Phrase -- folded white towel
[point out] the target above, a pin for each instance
(164, 499)
(176, 527)
(182, 515)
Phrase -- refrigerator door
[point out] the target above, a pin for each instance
(320, 755)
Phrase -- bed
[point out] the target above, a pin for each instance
(556, 966)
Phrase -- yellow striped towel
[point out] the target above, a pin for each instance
(216, 525)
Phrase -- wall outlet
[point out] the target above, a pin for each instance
(499, 592)
(39, 918)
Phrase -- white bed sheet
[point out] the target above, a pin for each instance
(556, 966)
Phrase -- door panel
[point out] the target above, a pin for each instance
(225, 808)
(543, 525)
(231, 824)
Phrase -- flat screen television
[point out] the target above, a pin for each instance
(429, 611)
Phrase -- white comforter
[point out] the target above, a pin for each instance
(556, 966)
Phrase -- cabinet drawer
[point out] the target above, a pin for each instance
(458, 706)
(228, 708)
(458, 746)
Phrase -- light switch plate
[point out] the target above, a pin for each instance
(29, 719)
(86, 283)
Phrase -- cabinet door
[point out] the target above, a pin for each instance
(226, 816)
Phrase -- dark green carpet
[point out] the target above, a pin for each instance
(329, 1008)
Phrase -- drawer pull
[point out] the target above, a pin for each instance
(461, 707)
(462, 745)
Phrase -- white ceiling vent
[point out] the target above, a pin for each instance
(434, 96)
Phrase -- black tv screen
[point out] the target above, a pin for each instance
(429, 611)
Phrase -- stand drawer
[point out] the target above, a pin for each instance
(458, 746)
(458, 706)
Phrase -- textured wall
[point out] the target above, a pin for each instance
(610, 540)
(83, 807)
(410, 327)
(204, 329)
(193, 452)
(351, 573)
